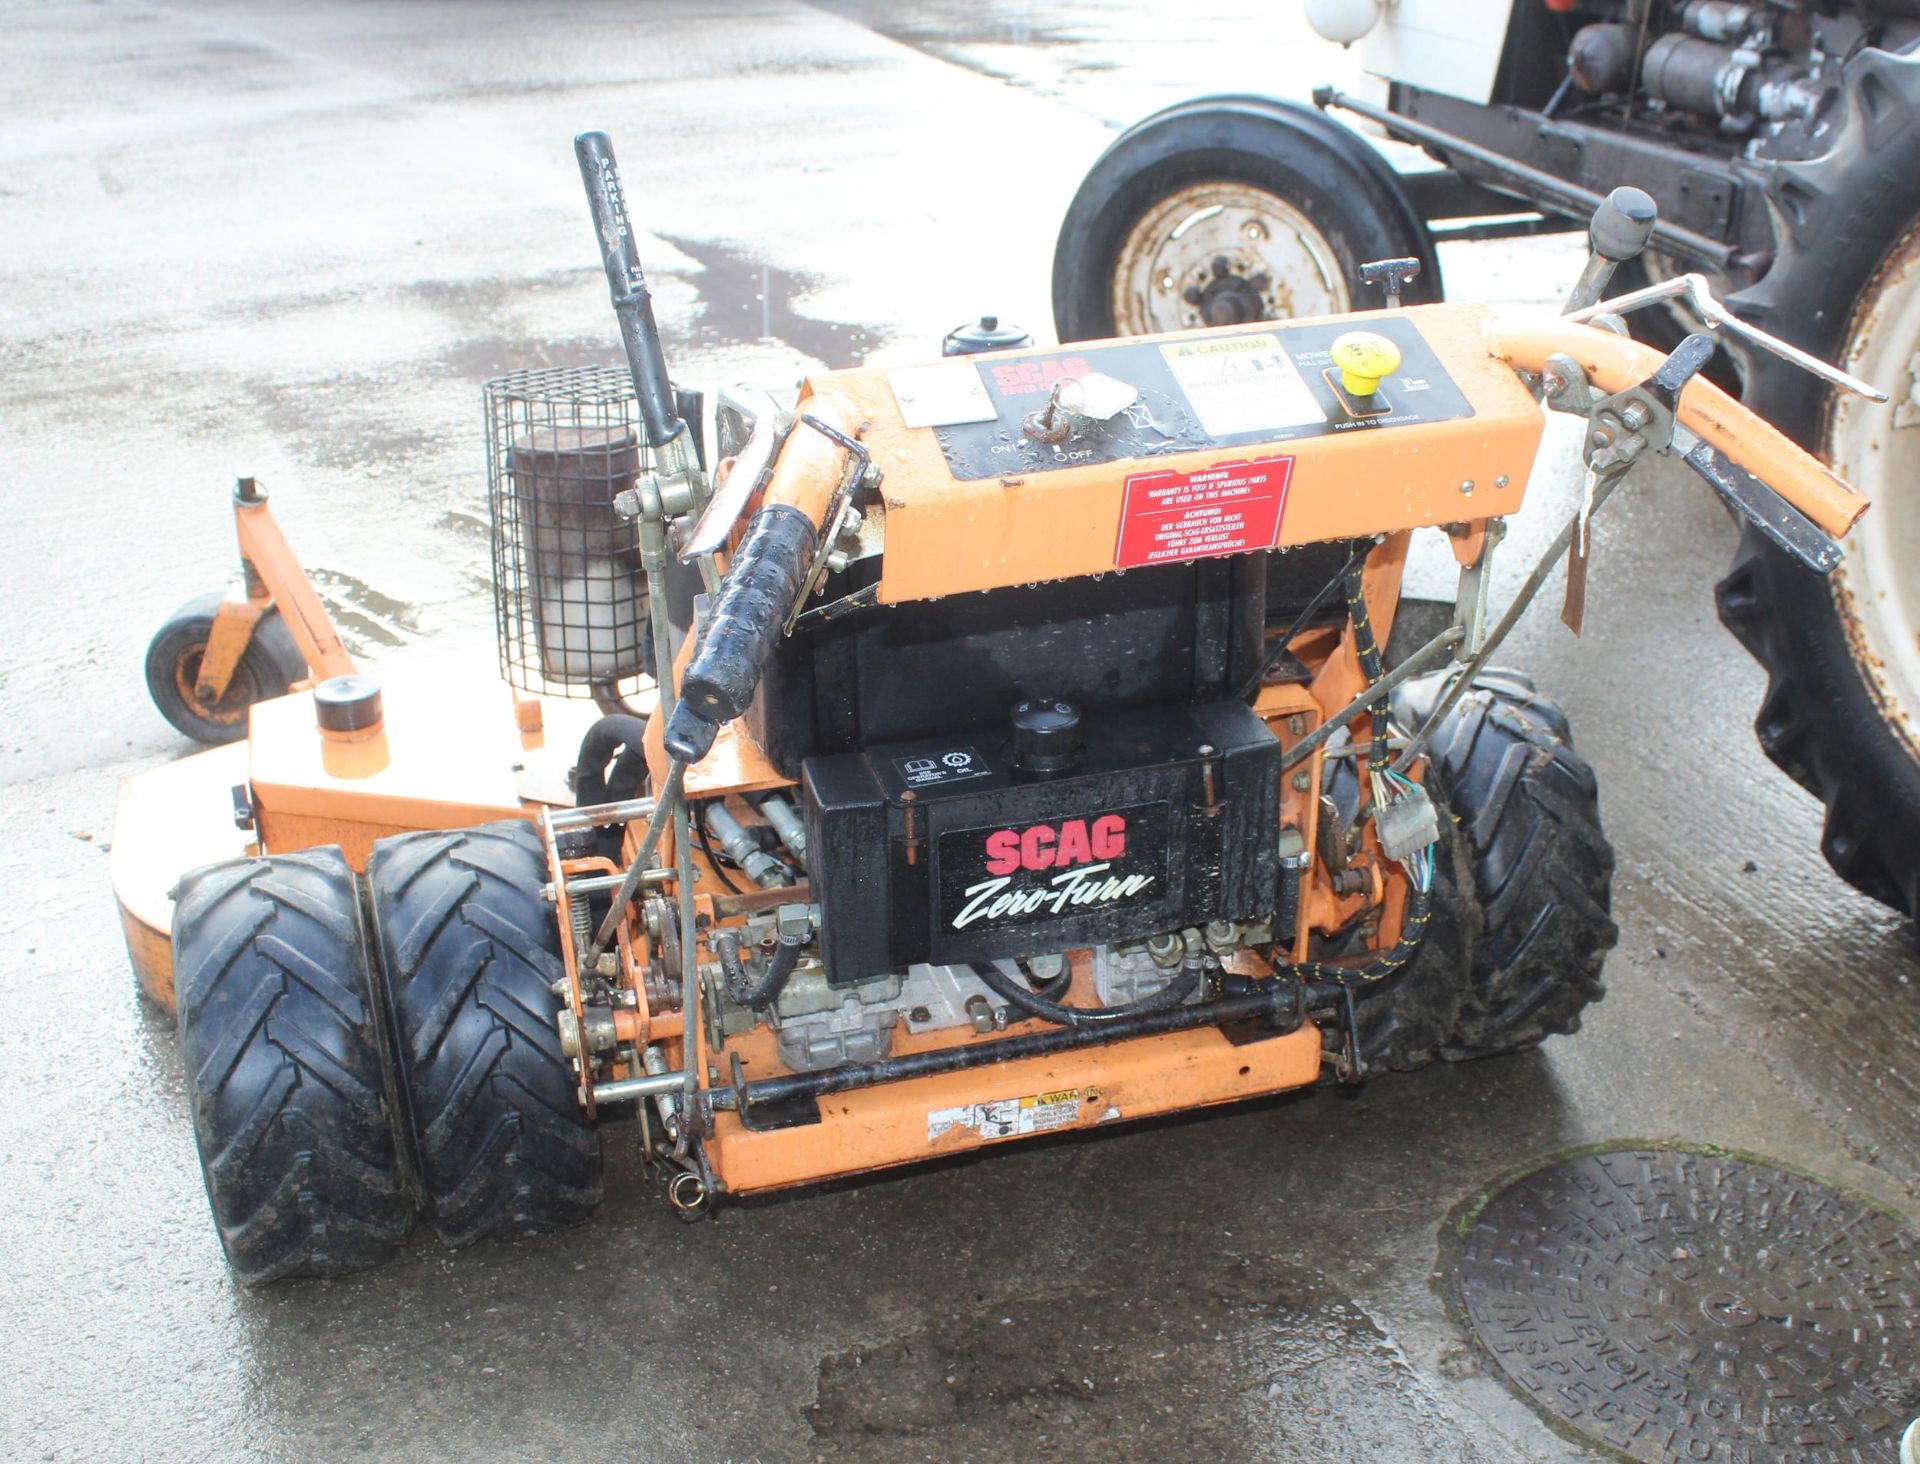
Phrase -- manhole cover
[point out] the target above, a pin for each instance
(1691, 1306)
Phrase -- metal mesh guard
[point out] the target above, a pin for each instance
(570, 600)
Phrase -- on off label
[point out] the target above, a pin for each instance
(1229, 508)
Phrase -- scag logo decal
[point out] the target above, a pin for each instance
(992, 899)
(1036, 378)
(1044, 846)
(1007, 875)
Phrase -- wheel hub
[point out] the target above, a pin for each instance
(1223, 253)
(1229, 296)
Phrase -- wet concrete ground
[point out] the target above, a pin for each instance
(293, 243)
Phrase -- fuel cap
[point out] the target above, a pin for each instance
(1046, 736)
(988, 335)
(345, 705)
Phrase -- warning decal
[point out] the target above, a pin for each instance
(1243, 384)
(1229, 508)
(1008, 1118)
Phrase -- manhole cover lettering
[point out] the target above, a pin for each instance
(1683, 1306)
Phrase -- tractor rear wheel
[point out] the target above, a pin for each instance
(280, 1041)
(1841, 715)
(469, 954)
(1522, 881)
(269, 665)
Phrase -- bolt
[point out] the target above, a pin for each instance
(1297, 724)
(1466, 487)
(1047, 968)
(1554, 382)
(980, 1013)
(1191, 295)
(1635, 416)
(1302, 781)
(1501, 481)
(921, 1015)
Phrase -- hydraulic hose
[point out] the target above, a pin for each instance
(1038, 1005)
(756, 995)
(601, 777)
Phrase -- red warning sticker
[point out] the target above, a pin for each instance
(1229, 508)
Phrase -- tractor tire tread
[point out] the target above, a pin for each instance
(470, 952)
(1521, 924)
(284, 1076)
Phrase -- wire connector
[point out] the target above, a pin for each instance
(1407, 823)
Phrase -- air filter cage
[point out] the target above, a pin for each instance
(570, 600)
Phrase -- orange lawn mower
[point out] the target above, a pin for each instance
(984, 749)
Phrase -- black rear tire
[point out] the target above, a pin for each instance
(1821, 721)
(1522, 883)
(268, 667)
(1293, 152)
(280, 1041)
(469, 955)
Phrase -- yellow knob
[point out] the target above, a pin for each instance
(1364, 358)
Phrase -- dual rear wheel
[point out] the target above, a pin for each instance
(356, 1047)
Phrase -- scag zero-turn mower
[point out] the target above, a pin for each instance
(1779, 141)
(1025, 760)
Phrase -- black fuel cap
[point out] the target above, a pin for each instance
(347, 703)
(1046, 736)
(988, 335)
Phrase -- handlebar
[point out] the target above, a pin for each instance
(1614, 363)
(764, 580)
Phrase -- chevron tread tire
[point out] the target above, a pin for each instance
(1520, 925)
(469, 952)
(279, 1036)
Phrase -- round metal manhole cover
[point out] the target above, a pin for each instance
(1677, 1305)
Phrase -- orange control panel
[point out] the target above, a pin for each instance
(1051, 464)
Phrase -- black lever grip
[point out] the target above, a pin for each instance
(763, 584)
(632, 300)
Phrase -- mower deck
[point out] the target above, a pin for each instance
(448, 755)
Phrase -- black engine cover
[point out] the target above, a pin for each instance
(940, 850)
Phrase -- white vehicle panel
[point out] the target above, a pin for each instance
(1449, 46)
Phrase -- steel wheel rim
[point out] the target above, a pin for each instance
(1876, 447)
(232, 707)
(1279, 265)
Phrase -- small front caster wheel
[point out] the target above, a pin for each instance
(269, 666)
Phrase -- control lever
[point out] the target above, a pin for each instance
(1699, 295)
(1747, 496)
(632, 300)
(1621, 227)
(1621, 429)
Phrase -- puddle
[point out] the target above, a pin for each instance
(365, 617)
(1253, 1364)
(741, 301)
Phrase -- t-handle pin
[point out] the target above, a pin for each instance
(1392, 274)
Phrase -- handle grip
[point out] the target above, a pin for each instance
(632, 300)
(763, 584)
